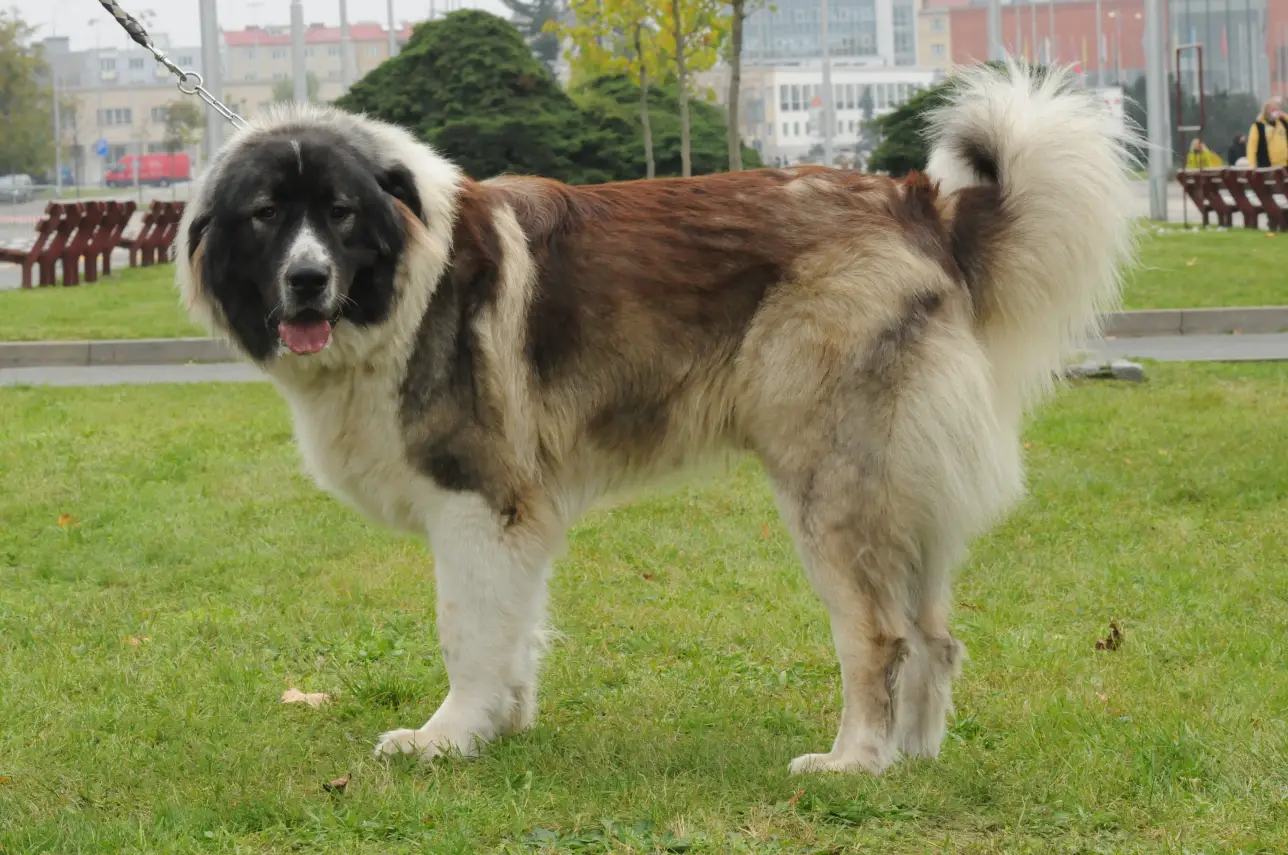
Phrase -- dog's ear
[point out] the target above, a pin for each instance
(399, 182)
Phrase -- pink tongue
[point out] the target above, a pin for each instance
(305, 338)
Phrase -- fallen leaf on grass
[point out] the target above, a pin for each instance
(1191, 262)
(796, 797)
(1113, 641)
(338, 785)
(3, 781)
(65, 520)
(313, 699)
(1271, 234)
(764, 531)
(135, 641)
(648, 577)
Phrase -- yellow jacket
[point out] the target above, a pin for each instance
(1276, 142)
(1202, 159)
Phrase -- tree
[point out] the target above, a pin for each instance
(284, 90)
(737, 17)
(612, 103)
(468, 84)
(26, 100)
(690, 39)
(534, 18)
(184, 122)
(611, 37)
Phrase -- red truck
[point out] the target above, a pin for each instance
(155, 170)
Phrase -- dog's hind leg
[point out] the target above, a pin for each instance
(491, 579)
(860, 562)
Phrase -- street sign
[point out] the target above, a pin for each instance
(100, 148)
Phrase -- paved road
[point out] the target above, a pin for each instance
(1192, 348)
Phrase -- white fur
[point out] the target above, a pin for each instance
(1064, 168)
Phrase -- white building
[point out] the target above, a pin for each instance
(781, 115)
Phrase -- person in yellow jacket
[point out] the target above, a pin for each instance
(1202, 157)
(1268, 137)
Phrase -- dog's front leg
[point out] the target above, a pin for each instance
(491, 572)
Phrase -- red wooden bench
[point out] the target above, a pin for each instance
(136, 244)
(34, 255)
(1203, 186)
(1265, 183)
(107, 238)
(1238, 183)
(54, 249)
(78, 246)
(158, 252)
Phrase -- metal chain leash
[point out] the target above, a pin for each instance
(190, 82)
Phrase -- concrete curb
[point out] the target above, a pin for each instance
(177, 351)
(1159, 322)
(145, 351)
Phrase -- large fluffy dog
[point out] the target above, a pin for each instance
(479, 362)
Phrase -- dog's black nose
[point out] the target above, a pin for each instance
(308, 279)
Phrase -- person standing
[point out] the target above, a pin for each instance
(1268, 137)
(1237, 149)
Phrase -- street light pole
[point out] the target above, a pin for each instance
(1156, 108)
(996, 52)
(346, 56)
(829, 123)
(393, 37)
(58, 140)
(211, 72)
(299, 73)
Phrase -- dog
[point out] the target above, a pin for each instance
(479, 362)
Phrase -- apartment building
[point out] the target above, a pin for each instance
(781, 104)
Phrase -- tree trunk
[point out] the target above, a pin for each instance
(651, 170)
(682, 75)
(735, 85)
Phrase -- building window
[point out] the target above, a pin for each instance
(937, 24)
(160, 115)
(136, 63)
(279, 53)
(250, 75)
(796, 129)
(373, 50)
(185, 60)
(939, 51)
(784, 99)
(116, 116)
(107, 65)
(279, 75)
(333, 50)
(250, 53)
(785, 129)
(308, 53)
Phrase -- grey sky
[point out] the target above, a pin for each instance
(178, 18)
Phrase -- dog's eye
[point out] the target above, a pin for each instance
(265, 213)
(340, 213)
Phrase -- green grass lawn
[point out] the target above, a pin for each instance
(165, 573)
(1192, 270)
(1179, 270)
(140, 302)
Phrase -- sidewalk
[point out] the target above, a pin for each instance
(1189, 348)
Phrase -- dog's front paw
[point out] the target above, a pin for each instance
(426, 743)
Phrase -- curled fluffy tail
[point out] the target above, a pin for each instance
(1035, 178)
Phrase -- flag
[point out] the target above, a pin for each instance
(1084, 51)
(1225, 45)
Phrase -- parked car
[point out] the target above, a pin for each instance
(16, 189)
(154, 170)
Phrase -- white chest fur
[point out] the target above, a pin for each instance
(350, 437)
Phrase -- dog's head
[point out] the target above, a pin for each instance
(298, 230)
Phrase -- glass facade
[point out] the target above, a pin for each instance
(789, 30)
(1233, 35)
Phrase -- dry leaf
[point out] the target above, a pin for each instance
(1191, 262)
(313, 699)
(65, 520)
(1028, 445)
(338, 785)
(764, 531)
(648, 577)
(1113, 641)
(4, 781)
(133, 641)
(1103, 697)
(796, 797)
(1271, 234)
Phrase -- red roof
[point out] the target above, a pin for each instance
(314, 35)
